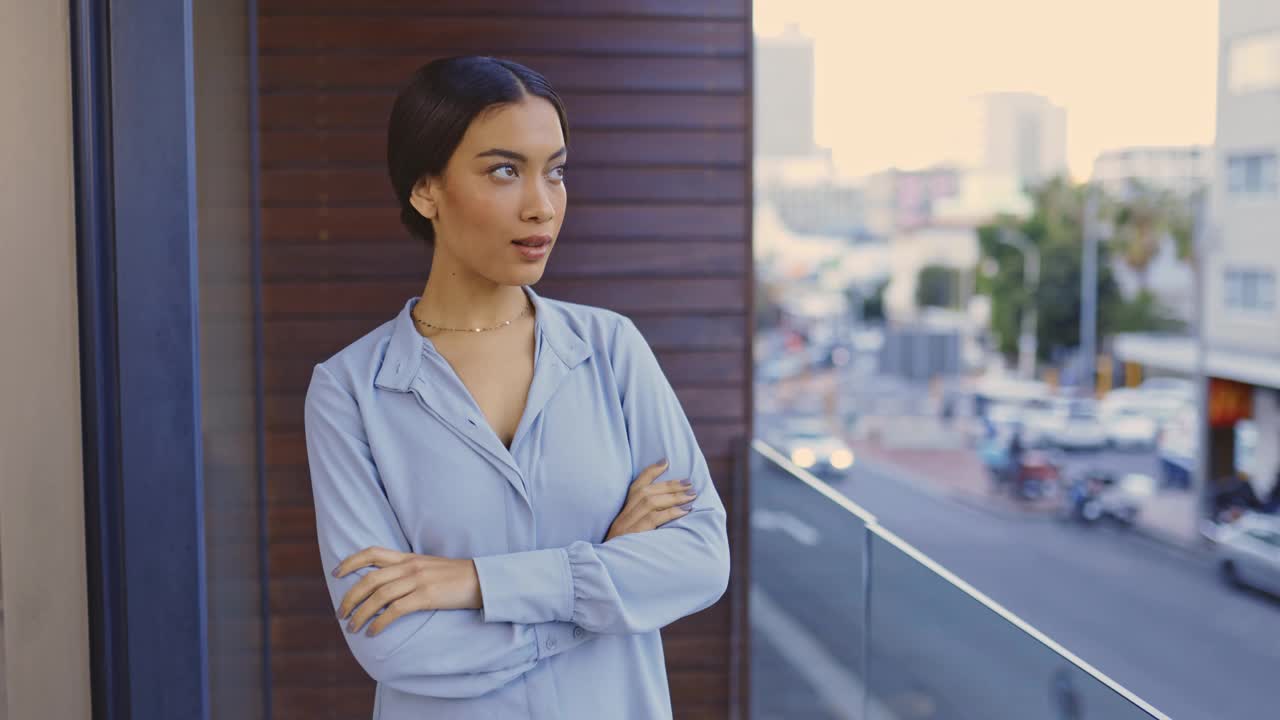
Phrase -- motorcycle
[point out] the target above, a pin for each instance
(1034, 476)
(1094, 495)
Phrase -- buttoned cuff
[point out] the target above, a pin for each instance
(533, 586)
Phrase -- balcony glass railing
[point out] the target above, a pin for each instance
(850, 621)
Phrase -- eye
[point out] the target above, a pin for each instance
(505, 166)
(557, 173)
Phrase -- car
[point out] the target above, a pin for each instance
(1081, 429)
(1248, 552)
(1130, 428)
(810, 444)
(1043, 419)
(1177, 447)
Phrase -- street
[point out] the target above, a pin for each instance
(1155, 619)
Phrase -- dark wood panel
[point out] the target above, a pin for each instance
(450, 34)
(409, 259)
(597, 222)
(631, 111)
(370, 188)
(322, 703)
(388, 71)
(727, 9)
(297, 149)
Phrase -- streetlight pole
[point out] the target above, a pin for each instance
(1031, 276)
(1089, 291)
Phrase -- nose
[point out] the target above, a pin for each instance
(537, 204)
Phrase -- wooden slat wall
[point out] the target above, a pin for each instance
(658, 94)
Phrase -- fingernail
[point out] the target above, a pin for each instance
(687, 507)
(691, 494)
(335, 572)
(351, 627)
(665, 462)
(687, 483)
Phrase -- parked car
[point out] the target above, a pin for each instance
(1043, 419)
(810, 444)
(1082, 429)
(1248, 552)
(1130, 428)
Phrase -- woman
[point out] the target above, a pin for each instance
(486, 465)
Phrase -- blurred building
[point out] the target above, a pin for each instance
(902, 200)
(1239, 302)
(1180, 169)
(1022, 134)
(784, 94)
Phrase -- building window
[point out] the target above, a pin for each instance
(1253, 63)
(1253, 174)
(1251, 290)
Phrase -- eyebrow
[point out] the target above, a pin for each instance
(513, 155)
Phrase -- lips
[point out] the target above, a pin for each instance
(533, 241)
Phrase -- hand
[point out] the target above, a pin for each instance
(405, 583)
(650, 504)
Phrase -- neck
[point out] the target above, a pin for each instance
(455, 299)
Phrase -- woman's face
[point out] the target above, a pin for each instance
(504, 185)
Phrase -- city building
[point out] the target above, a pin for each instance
(784, 94)
(1180, 169)
(1022, 134)
(1241, 259)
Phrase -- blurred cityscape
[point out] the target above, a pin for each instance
(1064, 388)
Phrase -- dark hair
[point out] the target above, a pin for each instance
(432, 112)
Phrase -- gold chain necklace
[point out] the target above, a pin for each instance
(424, 323)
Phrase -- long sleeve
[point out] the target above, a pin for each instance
(638, 582)
(442, 653)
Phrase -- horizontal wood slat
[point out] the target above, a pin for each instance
(321, 149)
(370, 188)
(408, 259)
(729, 9)
(598, 111)
(515, 35)
(387, 72)
(600, 222)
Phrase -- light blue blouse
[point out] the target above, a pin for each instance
(402, 457)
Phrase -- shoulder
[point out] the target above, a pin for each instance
(354, 367)
(606, 331)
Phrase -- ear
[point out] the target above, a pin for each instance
(422, 197)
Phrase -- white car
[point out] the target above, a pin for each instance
(1130, 428)
(1043, 420)
(811, 445)
(1249, 552)
(1081, 429)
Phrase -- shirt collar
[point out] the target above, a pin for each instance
(404, 352)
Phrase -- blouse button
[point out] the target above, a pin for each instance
(551, 644)
(579, 632)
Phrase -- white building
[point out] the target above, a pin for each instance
(1242, 254)
(1019, 134)
(784, 94)
(1180, 169)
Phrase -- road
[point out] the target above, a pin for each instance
(1154, 619)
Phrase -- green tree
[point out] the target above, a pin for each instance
(1055, 228)
(1142, 221)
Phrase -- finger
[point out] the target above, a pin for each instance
(662, 517)
(384, 596)
(395, 611)
(663, 501)
(669, 486)
(379, 556)
(649, 474)
(366, 587)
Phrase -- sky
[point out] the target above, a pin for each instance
(888, 75)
